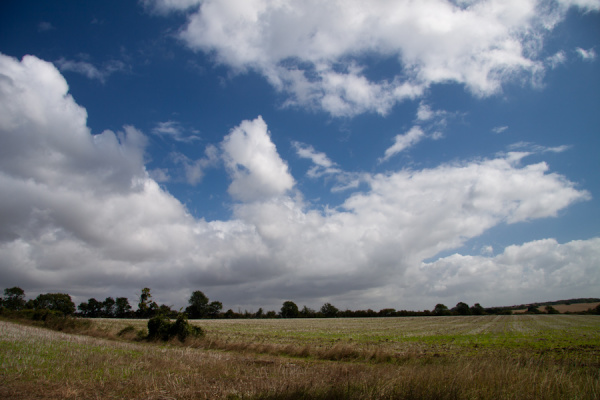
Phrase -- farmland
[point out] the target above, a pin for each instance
(488, 357)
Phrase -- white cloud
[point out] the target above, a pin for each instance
(193, 170)
(314, 51)
(403, 142)
(79, 213)
(252, 160)
(587, 55)
(542, 269)
(587, 5)
(499, 129)
(166, 6)
(557, 59)
(323, 165)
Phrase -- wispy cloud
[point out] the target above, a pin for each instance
(586, 55)
(404, 141)
(91, 71)
(175, 131)
(499, 129)
(45, 26)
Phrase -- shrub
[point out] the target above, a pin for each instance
(161, 328)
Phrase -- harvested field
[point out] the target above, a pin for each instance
(488, 357)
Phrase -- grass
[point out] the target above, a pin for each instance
(489, 357)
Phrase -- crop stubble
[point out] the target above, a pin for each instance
(524, 356)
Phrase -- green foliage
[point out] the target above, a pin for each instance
(289, 310)
(146, 307)
(533, 310)
(440, 309)
(108, 307)
(477, 309)
(329, 310)
(55, 302)
(551, 310)
(122, 307)
(14, 298)
(198, 307)
(161, 328)
(462, 309)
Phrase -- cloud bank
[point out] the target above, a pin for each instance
(80, 213)
(317, 52)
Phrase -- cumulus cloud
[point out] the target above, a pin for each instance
(257, 171)
(315, 51)
(79, 213)
(542, 269)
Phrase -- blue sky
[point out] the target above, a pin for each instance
(398, 155)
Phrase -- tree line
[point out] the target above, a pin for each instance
(200, 306)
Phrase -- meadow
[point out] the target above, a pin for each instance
(474, 357)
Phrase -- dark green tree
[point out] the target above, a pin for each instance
(55, 302)
(533, 309)
(551, 310)
(307, 312)
(146, 307)
(260, 313)
(477, 309)
(108, 307)
(94, 308)
(440, 309)
(462, 309)
(122, 307)
(198, 307)
(289, 310)
(329, 310)
(14, 298)
(214, 309)
(387, 312)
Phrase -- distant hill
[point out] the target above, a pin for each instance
(562, 306)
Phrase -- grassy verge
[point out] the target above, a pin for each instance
(445, 362)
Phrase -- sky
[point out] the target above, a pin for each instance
(381, 154)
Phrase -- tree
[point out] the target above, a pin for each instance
(214, 308)
(94, 308)
(462, 309)
(307, 312)
(440, 309)
(146, 307)
(198, 307)
(533, 309)
(551, 310)
(289, 310)
(14, 298)
(122, 307)
(329, 310)
(387, 312)
(108, 307)
(259, 314)
(477, 309)
(55, 302)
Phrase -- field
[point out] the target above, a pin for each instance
(484, 357)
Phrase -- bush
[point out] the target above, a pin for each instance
(161, 328)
